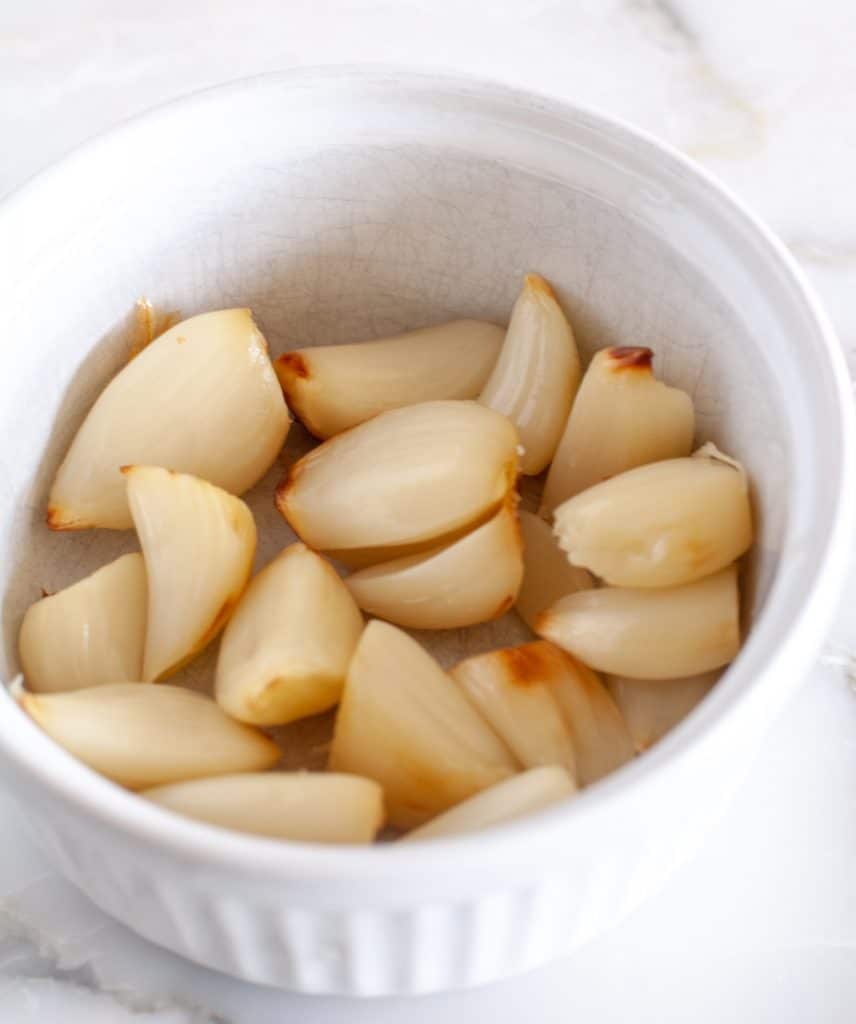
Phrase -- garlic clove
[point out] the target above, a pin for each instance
(335, 387)
(602, 740)
(622, 417)
(547, 573)
(652, 707)
(403, 722)
(90, 633)
(405, 476)
(142, 736)
(647, 633)
(286, 649)
(198, 543)
(211, 371)
(309, 807)
(537, 374)
(660, 525)
(473, 580)
(511, 689)
(526, 793)
(362, 558)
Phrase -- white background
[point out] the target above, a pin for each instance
(762, 926)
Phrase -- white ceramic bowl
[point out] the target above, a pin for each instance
(341, 205)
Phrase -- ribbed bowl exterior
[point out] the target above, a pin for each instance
(366, 951)
(394, 935)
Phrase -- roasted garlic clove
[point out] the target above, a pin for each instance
(547, 573)
(652, 707)
(602, 741)
(362, 558)
(511, 688)
(309, 807)
(335, 387)
(403, 722)
(622, 417)
(142, 736)
(90, 633)
(537, 374)
(212, 372)
(405, 476)
(523, 794)
(660, 525)
(663, 633)
(198, 543)
(472, 580)
(286, 649)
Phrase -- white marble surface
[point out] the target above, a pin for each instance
(762, 926)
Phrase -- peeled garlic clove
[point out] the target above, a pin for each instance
(511, 689)
(308, 807)
(622, 417)
(525, 793)
(403, 722)
(405, 476)
(660, 525)
(651, 707)
(334, 387)
(90, 633)
(362, 558)
(537, 373)
(198, 543)
(286, 649)
(650, 633)
(602, 741)
(142, 736)
(547, 573)
(473, 580)
(211, 371)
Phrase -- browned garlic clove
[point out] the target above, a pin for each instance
(660, 525)
(473, 580)
(522, 794)
(403, 722)
(663, 633)
(91, 633)
(212, 371)
(142, 736)
(405, 476)
(537, 374)
(309, 807)
(511, 688)
(335, 387)
(602, 740)
(198, 543)
(622, 417)
(286, 649)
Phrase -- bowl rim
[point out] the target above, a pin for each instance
(76, 785)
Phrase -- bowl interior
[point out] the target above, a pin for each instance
(348, 207)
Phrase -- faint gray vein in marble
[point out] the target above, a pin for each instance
(724, 123)
(822, 252)
(667, 18)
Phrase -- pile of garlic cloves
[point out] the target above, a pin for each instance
(407, 517)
